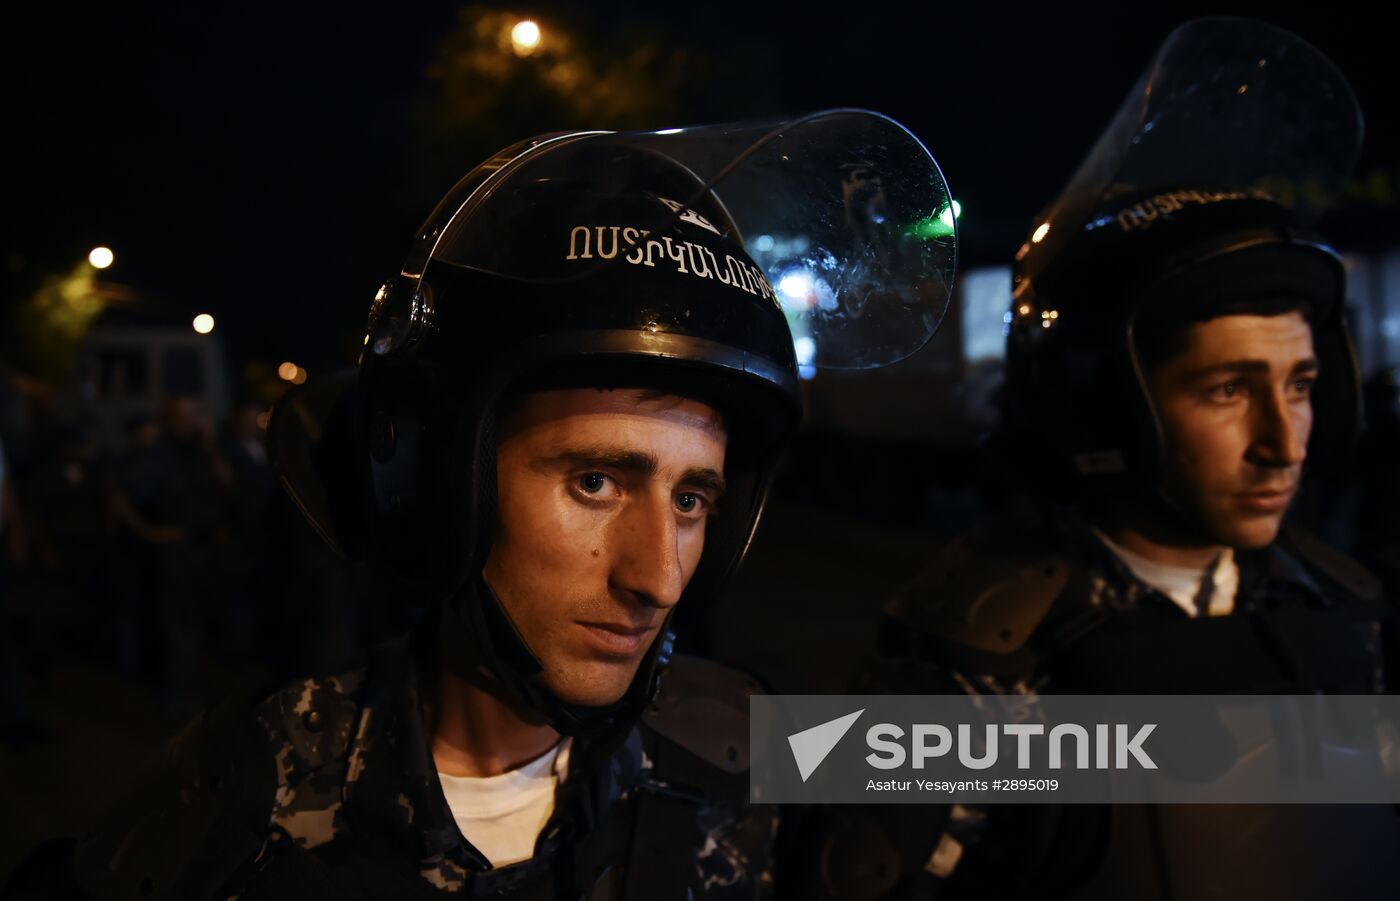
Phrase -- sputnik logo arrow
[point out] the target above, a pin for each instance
(811, 746)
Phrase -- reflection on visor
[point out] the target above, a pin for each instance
(807, 290)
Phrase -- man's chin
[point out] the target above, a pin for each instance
(1252, 533)
(593, 684)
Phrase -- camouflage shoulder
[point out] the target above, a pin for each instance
(1335, 566)
(983, 596)
(310, 726)
(703, 707)
(203, 816)
(310, 723)
(198, 815)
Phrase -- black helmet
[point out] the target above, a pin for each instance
(612, 260)
(1198, 196)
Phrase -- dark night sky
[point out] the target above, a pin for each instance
(257, 161)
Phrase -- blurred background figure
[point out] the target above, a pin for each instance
(138, 537)
(188, 494)
(63, 502)
(244, 612)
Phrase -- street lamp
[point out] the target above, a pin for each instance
(525, 37)
(101, 257)
(291, 372)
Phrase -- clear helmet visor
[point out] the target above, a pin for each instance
(841, 218)
(1235, 105)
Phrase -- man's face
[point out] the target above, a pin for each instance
(603, 499)
(1236, 407)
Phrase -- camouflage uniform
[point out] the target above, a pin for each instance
(327, 789)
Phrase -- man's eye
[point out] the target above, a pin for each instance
(1227, 391)
(593, 482)
(1304, 386)
(689, 503)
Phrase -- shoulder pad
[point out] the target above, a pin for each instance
(310, 723)
(704, 707)
(1335, 566)
(987, 592)
(201, 813)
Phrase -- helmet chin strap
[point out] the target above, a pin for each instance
(479, 642)
(1159, 507)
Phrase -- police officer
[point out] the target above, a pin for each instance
(563, 425)
(1176, 364)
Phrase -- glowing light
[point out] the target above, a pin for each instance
(950, 214)
(525, 37)
(670, 131)
(288, 372)
(764, 243)
(1040, 233)
(203, 323)
(101, 257)
(796, 285)
(806, 350)
(939, 226)
(1024, 309)
(300, 377)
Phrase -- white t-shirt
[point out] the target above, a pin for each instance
(1183, 583)
(502, 815)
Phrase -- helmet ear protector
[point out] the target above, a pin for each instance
(400, 425)
(341, 446)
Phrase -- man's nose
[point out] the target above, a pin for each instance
(647, 559)
(1281, 430)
